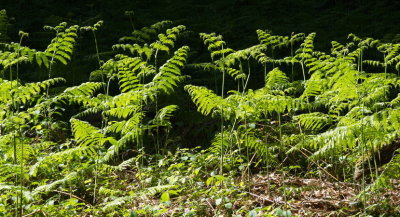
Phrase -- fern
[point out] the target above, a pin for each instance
(166, 41)
(127, 73)
(315, 121)
(146, 34)
(274, 41)
(216, 45)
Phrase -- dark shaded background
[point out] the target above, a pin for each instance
(237, 20)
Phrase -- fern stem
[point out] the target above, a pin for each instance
(291, 55)
(222, 116)
(156, 101)
(17, 204)
(265, 74)
(21, 175)
(247, 78)
(272, 56)
(385, 59)
(98, 58)
(95, 178)
(302, 69)
(131, 21)
(222, 124)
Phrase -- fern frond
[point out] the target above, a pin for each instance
(127, 72)
(166, 41)
(61, 47)
(145, 34)
(276, 80)
(123, 112)
(51, 186)
(306, 48)
(206, 100)
(170, 72)
(88, 135)
(215, 45)
(314, 121)
(164, 115)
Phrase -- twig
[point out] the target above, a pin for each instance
(208, 202)
(32, 213)
(269, 200)
(74, 196)
(324, 170)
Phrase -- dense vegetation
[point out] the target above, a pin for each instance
(160, 128)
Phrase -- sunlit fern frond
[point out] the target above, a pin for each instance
(170, 73)
(147, 33)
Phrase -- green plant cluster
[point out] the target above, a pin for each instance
(112, 146)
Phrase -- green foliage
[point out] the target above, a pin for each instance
(114, 144)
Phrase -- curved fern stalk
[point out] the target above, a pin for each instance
(305, 51)
(235, 57)
(393, 56)
(362, 44)
(22, 35)
(130, 15)
(93, 29)
(241, 56)
(3, 25)
(293, 39)
(390, 54)
(215, 45)
(272, 42)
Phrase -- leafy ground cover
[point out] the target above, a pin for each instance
(161, 129)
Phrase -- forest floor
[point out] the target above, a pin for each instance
(305, 197)
(322, 198)
(291, 195)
